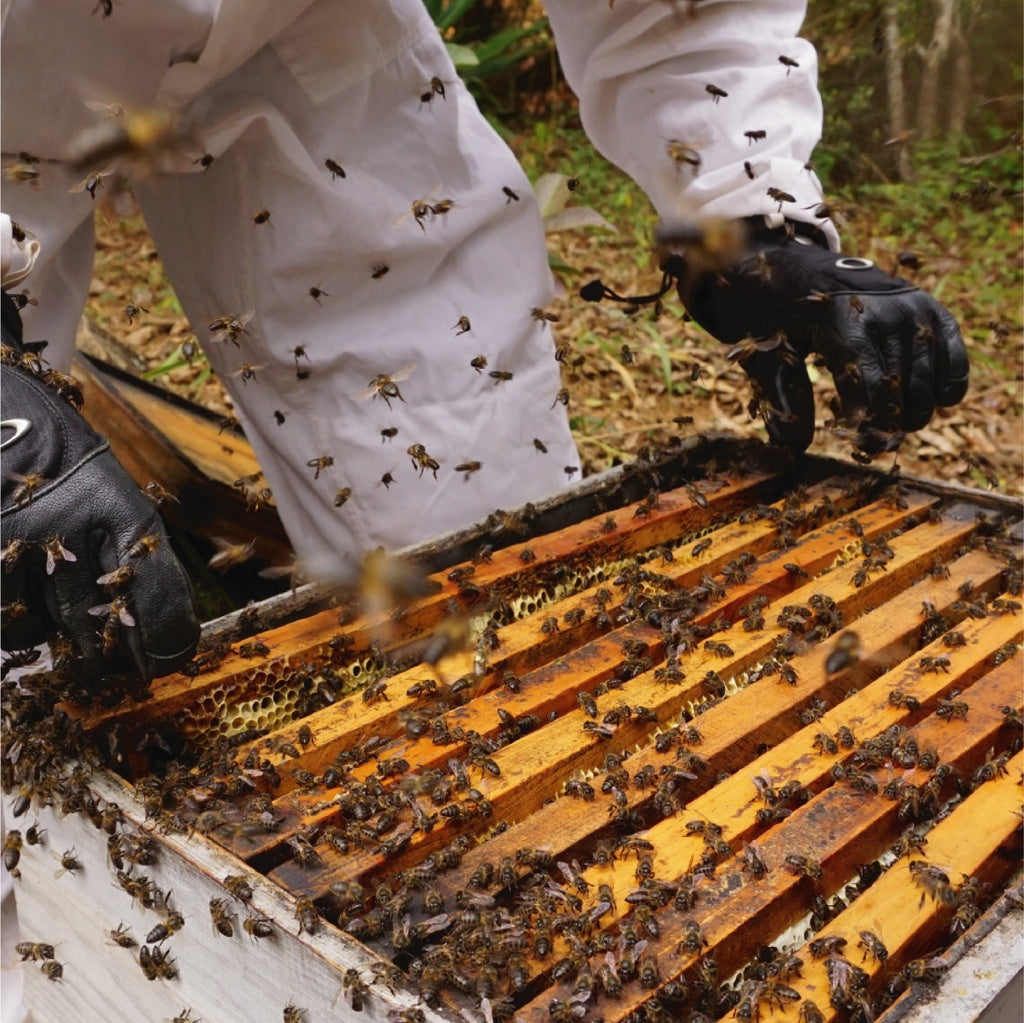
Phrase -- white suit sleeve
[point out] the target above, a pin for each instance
(642, 72)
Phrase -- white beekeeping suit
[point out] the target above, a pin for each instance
(272, 91)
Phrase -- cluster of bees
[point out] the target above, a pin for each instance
(529, 918)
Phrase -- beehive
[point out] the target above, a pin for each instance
(659, 769)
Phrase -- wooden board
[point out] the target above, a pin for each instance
(515, 824)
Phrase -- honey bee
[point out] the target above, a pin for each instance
(436, 88)
(337, 171)
(803, 866)
(757, 135)
(933, 881)
(171, 924)
(229, 554)
(120, 937)
(158, 494)
(468, 468)
(117, 614)
(342, 494)
(500, 376)
(562, 398)
(56, 553)
(845, 653)
(479, 363)
(543, 316)
(462, 326)
(26, 488)
(261, 217)
(90, 183)
(510, 196)
(422, 460)
(379, 270)
(385, 385)
(69, 863)
(52, 970)
(872, 946)
(788, 62)
(229, 328)
(258, 927)
(307, 915)
(323, 462)
(681, 153)
(31, 951)
(21, 172)
(247, 372)
(293, 1014)
(715, 92)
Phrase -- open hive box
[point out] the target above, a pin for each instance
(726, 739)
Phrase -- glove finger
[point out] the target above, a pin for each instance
(166, 629)
(919, 381)
(787, 398)
(951, 365)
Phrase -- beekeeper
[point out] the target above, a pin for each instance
(364, 264)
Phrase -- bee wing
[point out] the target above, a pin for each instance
(404, 373)
(247, 368)
(125, 616)
(109, 110)
(365, 392)
(108, 578)
(99, 609)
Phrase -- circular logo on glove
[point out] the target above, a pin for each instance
(13, 429)
(854, 263)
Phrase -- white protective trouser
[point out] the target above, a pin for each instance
(272, 90)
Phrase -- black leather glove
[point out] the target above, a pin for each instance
(72, 518)
(893, 351)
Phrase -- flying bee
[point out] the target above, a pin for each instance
(562, 398)
(845, 653)
(462, 325)
(683, 153)
(388, 433)
(229, 328)
(933, 881)
(715, 92)
(479, 363)
(543, 316)
(755, 136)
(386, 385)
(26, 488)
(468, 468)
(56, 553)
(229, 554)
(261, 217)
(117, 614)
(510, 196)
(743, 350)
(421, 459)
(780, 196)
(379, 270)
(119, 577)
(500, 376)
(248, 372)
(323, 462)
(132, 312)
(144, 545)
(435, 88)
(337, 171)
(788, 63)
(20, 172)
(90, 183)
(626, 354)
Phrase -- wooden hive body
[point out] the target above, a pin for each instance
(562, 838)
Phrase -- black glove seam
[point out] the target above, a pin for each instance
(14, 510)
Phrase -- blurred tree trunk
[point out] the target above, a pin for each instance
(933, 57)
(895, 88)
(960, 84)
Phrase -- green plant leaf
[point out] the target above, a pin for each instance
(462, 57)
